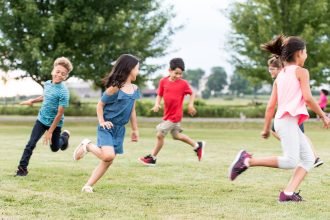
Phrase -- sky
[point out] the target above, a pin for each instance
(201, 42)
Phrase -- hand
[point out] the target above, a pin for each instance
(106, 124)
(265, 134)
(156, 108)
(47, 138)
(191, 110)
(326, 122)
(27, 102)
(135, 136)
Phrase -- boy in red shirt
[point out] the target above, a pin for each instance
(173, 89)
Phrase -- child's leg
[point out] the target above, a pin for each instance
(37, 131)
(159, 144)
(307, 160)
(184, 138)
(107, 155)
(57, 141)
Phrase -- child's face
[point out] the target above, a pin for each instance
(175, 74)
(134, 72)
(59, 74)
(301, 57)
(273, 71)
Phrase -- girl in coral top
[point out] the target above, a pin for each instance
(291, 92)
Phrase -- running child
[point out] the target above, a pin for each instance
(50, 119)
(173, 89)
(291, 92)
(275, 65)
(114, 110)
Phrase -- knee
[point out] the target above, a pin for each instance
(160, 136)
(108, 158)
(308, 164)
(291, 163)
(176, 137)
(54, 148)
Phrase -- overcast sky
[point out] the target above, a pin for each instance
(200, 43)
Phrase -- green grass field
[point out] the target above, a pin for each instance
(179, 187)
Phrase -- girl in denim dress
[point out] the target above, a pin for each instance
(114, 110)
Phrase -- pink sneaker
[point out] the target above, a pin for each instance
(200, 150)
(295, 197)
(238, 166)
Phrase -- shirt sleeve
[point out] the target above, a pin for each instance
(64, 98)
(187, 89)
(160, 91)
(108, 98)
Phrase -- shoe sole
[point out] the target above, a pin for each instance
(147, 164)
(233, 164)
(318, 164)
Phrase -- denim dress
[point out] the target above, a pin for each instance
(117, 109)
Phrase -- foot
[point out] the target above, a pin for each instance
(238, 166)
(81, 149)
(87, 189)
(148, 160)
(66, 136)
(200, 150)
(21, 171)
(318, 162)
(295, 197)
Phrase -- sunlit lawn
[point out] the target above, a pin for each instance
(179, 187)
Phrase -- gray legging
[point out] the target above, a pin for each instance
(296, 149)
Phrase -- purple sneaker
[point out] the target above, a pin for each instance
(238, 166)
(295, 197)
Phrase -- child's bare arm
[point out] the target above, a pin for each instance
(157, 104)
(191, 109)
(49, 133)
(31, 101)
(134, 125)
(270, 110)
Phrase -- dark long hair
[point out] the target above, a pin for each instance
(284, 47)
(120, 71)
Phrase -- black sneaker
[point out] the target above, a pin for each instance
(66, 135)
(318, 162)
(21, 171)
(148, 160)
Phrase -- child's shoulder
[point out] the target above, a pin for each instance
(111, 90)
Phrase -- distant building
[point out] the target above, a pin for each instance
(149, 92)
(83, 89)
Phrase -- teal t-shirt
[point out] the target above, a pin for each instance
(55, 95)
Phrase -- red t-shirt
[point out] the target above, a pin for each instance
(173, 93)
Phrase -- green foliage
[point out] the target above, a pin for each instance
(92, 34)
(255, 22)
(217, 79)
(206, 94)
(193, 76)
(238, 85)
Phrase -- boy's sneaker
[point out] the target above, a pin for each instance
(81, 149)
(318, 162)
(238, 166)
(21, 171)
(148, 160)
(200, 150)
(295, 197)
(66, 135)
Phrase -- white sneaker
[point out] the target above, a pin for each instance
(81, 149)
(87, 189)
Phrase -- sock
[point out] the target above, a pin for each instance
(196, 146)
(247, 162)
(288, 193)
(153, 157)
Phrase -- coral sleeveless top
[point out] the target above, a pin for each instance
(289, 95)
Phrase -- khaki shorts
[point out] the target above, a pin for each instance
(168, 126)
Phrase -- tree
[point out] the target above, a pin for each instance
(193, 76)
(217, 79)
(256, 21)
(91, 33)
(238, 84)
